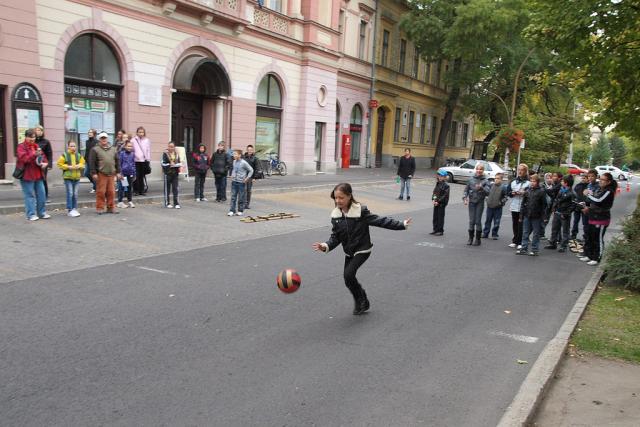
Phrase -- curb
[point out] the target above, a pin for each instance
(146, 200)
(523, 407)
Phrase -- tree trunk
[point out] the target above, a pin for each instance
(452, 101)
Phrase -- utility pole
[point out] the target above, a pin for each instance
(371, 87)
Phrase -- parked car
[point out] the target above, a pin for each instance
(573, 169)
(617, 173)
(466, 170)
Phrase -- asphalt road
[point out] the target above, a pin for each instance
(203, 337)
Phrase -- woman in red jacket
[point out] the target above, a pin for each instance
(34, 162)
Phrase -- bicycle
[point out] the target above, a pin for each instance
(274, 164)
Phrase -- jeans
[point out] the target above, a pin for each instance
(405, 183)
(531, 226)
(72, 185)
(579, 217)
(351, 266)
(237, 195)
(34, 197)
(198, 188)
(475, 216)
(493, 215)
(560, 225)
(517, 227)
(221, 187)
(438, 218)
(126, 191)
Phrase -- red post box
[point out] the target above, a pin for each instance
(346, 151)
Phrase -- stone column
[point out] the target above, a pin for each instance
(219, 125)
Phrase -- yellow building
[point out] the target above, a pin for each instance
(411, 97)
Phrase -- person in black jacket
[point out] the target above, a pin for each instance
(254, 162)
(45, 146)
(532, 214)
(440, 199)
(351, 221)
(578, 217)
(563, 207)
(201, 166)
(220, 166)
(406, 170)
(599, 212)
(88, 146)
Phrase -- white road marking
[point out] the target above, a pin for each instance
(522, 338)
(154, 270)
(431, 245)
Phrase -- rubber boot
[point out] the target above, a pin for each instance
(478, 236)
(470, 242)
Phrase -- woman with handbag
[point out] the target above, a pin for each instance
(142, 151)
(29, 169)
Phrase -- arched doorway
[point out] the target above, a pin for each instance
(380, 136)
(268, 116)
(355, 128)
(92, 89)
(197, 105)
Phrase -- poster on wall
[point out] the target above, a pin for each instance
(109, 122)
(84, 121)
(26, 119)
(71, 120)
(184, 169)
(96, 121)
(267, 136)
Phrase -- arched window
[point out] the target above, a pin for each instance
(92, 84)
(268, 116)
(355, 128)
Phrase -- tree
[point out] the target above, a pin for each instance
(618, 150)
(596, 44)
(471, 35)
(601, 153)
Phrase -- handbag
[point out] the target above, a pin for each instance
(147, 167)
(18, 172)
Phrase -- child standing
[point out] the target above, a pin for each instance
(440, 199)
(72, 165)
(532, 214)
(201, 163)
(128, 170)
(474, 194)
(599, 212)
(495, 201)
(241, 172)
(406, 169)
(563, 207)
(351, 221)
(517, 189)
(171, 166)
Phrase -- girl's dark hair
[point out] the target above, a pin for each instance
(612, 182)
(30, 133)
(568, 179)
(143, 130)
(344, 188)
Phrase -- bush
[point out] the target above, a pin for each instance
(622, 261)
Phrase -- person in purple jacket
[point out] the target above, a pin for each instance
(128, 170)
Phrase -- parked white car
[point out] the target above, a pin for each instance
(617, 173)
(466, 170)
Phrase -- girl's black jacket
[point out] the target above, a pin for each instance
(600, 203)
(352, 229)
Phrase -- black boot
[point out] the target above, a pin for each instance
(478, 235)
(470, 242)
(361, 303)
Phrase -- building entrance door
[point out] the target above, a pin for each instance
(186, 123)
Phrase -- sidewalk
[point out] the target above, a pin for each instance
(11, 200)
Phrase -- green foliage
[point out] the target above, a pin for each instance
(596, 45)
(601, 153)
(581, 154)
(618, 150)
(622, 260)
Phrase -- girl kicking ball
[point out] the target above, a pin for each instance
(351, 221)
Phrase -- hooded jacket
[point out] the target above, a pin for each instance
(201, 160)
(600, 203)
(564, 203)
(127, 162)
(477, 195)
(220, 163)
(352, 229)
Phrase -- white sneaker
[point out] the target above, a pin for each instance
(519, 247)
(197, 199)
(239, 213)
(512, 245)
(74, 213)
(46, 216)
(230, 213)
(33, 218)
(204, 199)
(70, 213)
(92, 191)
(169, 206)
(585, 258)
(131, 205)
(592, 262)
(121, 205)
(177, 206)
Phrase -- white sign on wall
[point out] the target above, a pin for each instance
(150, 95)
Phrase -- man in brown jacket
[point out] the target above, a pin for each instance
(104, 165)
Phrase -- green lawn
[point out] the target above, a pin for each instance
(611, 325)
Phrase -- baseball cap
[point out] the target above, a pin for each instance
(442, 173)
(103, 135)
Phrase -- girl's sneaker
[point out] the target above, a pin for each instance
(592, 262)
(197, 199)
(121, 205)
(585, 258)
(169, 206)
(230, 213)
(533, 253)
(177, 206)
(74, 213)
(204, 199)
(33, 218)
(512, 245)
(131, 205)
